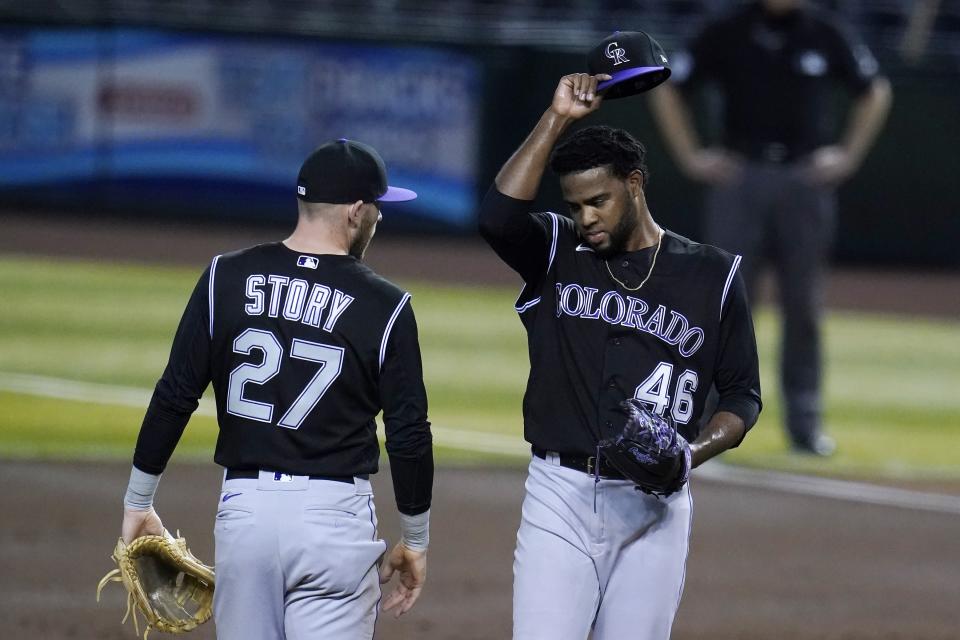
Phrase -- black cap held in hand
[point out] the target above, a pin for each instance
(345, 171)
(635, 60)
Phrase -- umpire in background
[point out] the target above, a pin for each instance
(773, 177)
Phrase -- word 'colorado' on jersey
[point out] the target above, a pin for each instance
(295, 300)
(578, 301)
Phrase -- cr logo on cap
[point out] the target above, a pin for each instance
(616, 53)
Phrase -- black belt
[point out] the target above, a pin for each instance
(586, 464)
(247, 474)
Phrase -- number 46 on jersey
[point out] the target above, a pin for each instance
(654, 392)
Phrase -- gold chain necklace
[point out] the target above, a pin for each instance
(649, 273)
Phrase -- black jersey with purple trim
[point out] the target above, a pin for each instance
(303, 351)
(594, 342)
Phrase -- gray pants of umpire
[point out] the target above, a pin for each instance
(773, 214)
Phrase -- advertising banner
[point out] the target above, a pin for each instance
(223, 121)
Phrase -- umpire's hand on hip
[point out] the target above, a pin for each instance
(412, 566)
(829, 166)
(713, 165)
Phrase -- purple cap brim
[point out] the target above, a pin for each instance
(626, 74)
(397, 194)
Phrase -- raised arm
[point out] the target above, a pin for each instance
(575, 97)
(504, 219)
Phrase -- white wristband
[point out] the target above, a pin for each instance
(140, 490)
(415, 531)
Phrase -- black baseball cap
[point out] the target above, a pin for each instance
(634, 59)
(345, 171)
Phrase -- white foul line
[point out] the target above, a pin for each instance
(98, 393)
(92, 392)
(861, 492)
(481, 442)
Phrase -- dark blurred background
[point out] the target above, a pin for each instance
(204, 109)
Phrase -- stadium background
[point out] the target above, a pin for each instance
(138, 138)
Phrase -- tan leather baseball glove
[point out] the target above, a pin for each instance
(164, 581)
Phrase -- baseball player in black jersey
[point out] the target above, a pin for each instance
(615, 307)
(304, 345)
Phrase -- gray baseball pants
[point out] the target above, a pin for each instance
(296, 559)
(617, 568)
(773, 214)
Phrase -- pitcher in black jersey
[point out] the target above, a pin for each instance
(614, 306)
(304, 345)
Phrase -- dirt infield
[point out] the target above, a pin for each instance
(763, 564)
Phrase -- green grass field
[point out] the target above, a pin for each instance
(892, 396)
